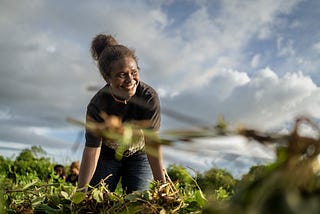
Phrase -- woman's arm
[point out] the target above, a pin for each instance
(88, 166)
(154, 153)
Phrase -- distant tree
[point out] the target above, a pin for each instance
(181, 175)
(30, 154)
(5, 165)
(31, 161)
(254, 173)
(215, 180)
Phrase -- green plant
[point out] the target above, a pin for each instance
(216, 182)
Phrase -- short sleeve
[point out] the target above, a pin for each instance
(92, 115)
(152, 113)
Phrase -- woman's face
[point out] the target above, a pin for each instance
(124, 77)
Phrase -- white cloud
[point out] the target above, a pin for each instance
(309, 130)
(225, 81)
(203, 45)
(272, 99)
(51, 49)
(285, 48)
(264, 33)
(30, 136)
(255, 61)
(264, 101)
(235, 154)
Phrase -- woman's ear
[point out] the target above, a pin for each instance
(107, 79)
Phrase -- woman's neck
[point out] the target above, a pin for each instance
(123, 101)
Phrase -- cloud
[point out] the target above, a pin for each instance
(29, 136)
(255, 60)
(316, 47)
(206, 43)
(235, 154)
(264, 101)
(272, 99)
(285, 49)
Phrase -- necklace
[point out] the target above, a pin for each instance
(120, 101)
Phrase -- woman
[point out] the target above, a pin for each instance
(74, 173)
(126, 97)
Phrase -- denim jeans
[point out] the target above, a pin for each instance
(134, 171)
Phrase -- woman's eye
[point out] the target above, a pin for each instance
(122, 75)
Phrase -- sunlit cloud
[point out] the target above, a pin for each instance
(275, 100)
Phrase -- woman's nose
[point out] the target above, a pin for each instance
(129, 77)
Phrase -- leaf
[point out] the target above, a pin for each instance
(200, 198)
(132, 197)
(29, 185)
(78, 197)
(55, 200)
(37, 201)
(112, 196)
(64, 194)
(44, 208)
(146, 195)
(97, 195)
(124, 141)
(163, 211)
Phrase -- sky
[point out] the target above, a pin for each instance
(253, 62)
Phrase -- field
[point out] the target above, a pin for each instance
(289, 185)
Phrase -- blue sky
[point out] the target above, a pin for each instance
(254, 62)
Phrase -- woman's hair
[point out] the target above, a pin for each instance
(106, 50)
(58, 168)
(75, 164)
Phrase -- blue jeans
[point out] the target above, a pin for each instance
(134, 171)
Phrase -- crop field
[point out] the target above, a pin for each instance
(291, 184)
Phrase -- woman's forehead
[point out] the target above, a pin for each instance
(127, 62)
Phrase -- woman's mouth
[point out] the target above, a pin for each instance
(129, 87)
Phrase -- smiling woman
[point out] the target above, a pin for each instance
(128, 99)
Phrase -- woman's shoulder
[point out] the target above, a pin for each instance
(146, 96)
(100, 96)
(145, 89)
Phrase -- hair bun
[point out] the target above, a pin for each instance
(99, 43)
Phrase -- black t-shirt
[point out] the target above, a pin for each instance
(144, 105)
